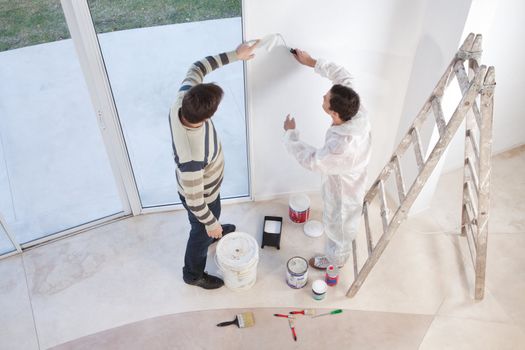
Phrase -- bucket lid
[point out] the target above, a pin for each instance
(299, 202)
(237, 249)
(313, 228)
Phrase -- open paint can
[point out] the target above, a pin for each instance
(299, 208)
(319, 288)
(297, 272)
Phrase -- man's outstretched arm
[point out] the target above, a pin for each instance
(337, 74)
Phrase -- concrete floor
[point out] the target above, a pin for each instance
(419, 295)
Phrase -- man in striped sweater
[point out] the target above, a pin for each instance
(200, 163)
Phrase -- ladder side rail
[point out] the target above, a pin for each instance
(463, 82)
(487, 108)
(354, 254)
(453, 125)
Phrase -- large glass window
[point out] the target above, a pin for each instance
(54, 171)
(147, 47)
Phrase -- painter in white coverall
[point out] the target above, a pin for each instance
(342, 162)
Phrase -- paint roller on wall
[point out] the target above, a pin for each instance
(270, 41)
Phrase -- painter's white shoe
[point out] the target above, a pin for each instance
(320, 262)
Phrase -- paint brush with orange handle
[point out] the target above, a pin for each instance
(306, 312)
(291, 322)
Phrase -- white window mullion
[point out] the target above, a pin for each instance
(3, 223)
(83, 34)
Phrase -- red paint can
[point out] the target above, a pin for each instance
(299, 208)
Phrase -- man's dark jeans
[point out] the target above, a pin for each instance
(198, 243)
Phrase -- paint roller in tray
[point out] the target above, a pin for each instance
(270, 41)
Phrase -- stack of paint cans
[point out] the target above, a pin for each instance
(332, 275)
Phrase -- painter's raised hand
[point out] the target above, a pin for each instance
(304, 57)
(245, 50)
(289, 123)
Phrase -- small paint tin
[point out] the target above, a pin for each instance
(332, 275)
(319, 288)
(299, 208)
(297, 272)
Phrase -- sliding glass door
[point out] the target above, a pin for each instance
(147, 48)
(54, 169)
(84, 131)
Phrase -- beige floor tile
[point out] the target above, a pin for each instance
(18, 330)
(457, 334)
(506, 274)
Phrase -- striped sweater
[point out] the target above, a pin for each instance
(197, 151)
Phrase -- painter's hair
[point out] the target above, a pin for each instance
(345, 101)
(201, 102)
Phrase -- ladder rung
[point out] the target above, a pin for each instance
(472, 140)
(470, 193)
(471, 244)
(473, 173)
(384, 208)
(367, 229)
(472, 214)
(438, 115)
(416, 140)
(401, 190)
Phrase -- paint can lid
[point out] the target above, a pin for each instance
(319, 286)
(299, 202)
(313, 228)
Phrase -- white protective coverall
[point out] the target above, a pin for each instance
(342, 162)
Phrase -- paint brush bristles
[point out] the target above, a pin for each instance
(243, 320)
(306, 312)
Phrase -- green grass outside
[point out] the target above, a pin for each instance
(30, 22)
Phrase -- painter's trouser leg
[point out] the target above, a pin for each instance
(198, 243)
(341, 229)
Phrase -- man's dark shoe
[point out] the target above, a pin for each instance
(226, 228)
(206, 282)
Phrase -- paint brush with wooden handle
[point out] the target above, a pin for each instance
(243, 320)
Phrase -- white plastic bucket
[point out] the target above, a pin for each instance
(237, 256)
(299, 208)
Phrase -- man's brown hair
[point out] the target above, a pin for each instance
(201, 102)
(345, 101)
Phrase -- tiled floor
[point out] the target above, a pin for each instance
(130, 271)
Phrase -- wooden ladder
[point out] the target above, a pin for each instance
(477, 84)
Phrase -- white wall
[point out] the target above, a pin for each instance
(374, 40)
(502, 24)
